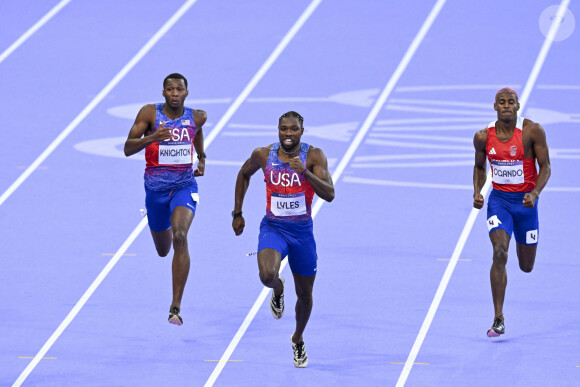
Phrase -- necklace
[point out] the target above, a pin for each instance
(291, 152)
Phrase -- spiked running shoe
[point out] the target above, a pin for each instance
(277, 302)
(174, 317)
(498, 328)
(300, 356)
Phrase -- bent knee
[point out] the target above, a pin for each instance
(526, 268)
(163, 253)
(267, 277)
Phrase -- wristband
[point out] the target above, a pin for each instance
(303, 172)
(201, 156)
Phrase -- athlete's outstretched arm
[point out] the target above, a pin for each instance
(542, 154)
(479, 172)
(199, 117)
(144, 124)
(256, 161)
(318, 175)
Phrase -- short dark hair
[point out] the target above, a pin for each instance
(292, 114)
(174, 76)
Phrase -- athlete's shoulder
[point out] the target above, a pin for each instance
(259, 157)
(199, 116)
(316, 155)
(261, 153)
(312, 150)
(147, 113)
(480, 136)
(200, 113)
(530, 126)
(534, 131)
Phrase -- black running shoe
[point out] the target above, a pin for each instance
(174, 317)
(498, 328)
(277, 302)
(300, 356)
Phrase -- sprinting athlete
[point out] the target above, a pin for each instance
(513, 145)
(293, 172)
(169, 132)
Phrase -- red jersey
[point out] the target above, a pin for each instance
(288, 194)
(511, 172)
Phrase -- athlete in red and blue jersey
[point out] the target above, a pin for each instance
(293, 172)
(512, 145)
(169, 132)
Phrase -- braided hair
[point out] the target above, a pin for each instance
(292, 114)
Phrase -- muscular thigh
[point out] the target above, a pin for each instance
(499, 216)
(302, 256)
(271, 237)
(526, 225)
(158, 210)
(186, 197)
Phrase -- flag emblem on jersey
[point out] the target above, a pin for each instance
(184, 122)
(513, 150)
(492, 151)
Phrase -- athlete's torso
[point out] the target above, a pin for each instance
(511, 171)
(169, 163)
(288, 194)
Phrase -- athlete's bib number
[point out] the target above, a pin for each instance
(507, 172)
(175, 153)
(288, 204)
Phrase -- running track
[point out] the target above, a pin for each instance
(392, 93)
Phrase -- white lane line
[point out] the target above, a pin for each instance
(335, 176)
(24, 37)
(253, 82)
(289, 36)
(80, 303)
(473, 214)
(72, 314)
(102, 94)
(265, 67)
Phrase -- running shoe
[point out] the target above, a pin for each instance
(277, 302)
(498, 328)
(300, 356)
(174, 317)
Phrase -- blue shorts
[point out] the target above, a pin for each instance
(160, 204)
(506, 211)
(293, 239)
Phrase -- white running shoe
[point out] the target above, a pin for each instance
(277, 303)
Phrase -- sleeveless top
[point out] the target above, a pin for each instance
(170, 163)
(288, 194)
(511, 172)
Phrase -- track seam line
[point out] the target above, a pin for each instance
(102, 94)
(335, 176)
(75, 310)
(474, 212)
(143, 223)
(24, 37)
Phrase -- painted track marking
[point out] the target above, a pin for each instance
(473, 215)
(376, 109)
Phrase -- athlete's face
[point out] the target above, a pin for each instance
(175, 92)
(289, 133)
(506, 105)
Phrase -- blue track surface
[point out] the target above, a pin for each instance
(384, 243)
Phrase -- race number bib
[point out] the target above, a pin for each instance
(507, 172)
(175, 153)
(288, 204)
